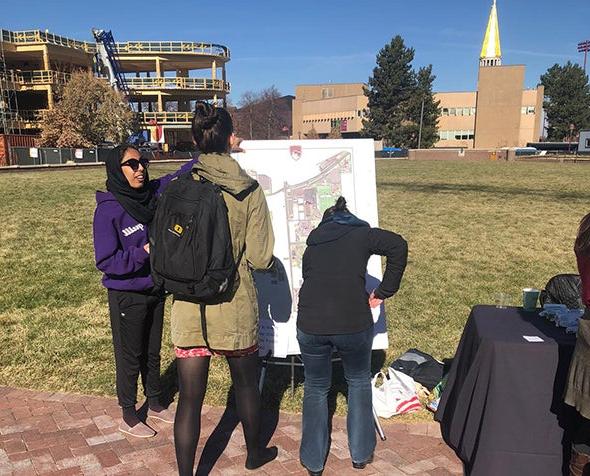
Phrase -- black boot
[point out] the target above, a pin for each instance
(265, 455)
(310, 472)
(364, 463)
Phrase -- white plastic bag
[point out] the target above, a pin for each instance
(396, 394)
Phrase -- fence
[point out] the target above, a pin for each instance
(8, 141)
(39, 156)
(54, 155)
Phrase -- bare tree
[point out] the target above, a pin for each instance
(88, 112)
(335, 132)
(269, 98)
(312, 133)
(262, 115)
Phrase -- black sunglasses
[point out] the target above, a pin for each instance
(134, 163)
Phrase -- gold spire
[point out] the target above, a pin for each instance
(491, 53)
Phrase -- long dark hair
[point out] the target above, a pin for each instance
(339, 206)
(582, 244)
(212, 127)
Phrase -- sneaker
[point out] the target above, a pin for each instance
(165, 415)
(141, 430)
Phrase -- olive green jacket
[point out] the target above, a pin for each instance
(233, 324)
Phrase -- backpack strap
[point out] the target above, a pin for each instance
(204, 325)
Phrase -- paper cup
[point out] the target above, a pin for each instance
(529, 298)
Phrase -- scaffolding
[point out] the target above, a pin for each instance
(8, 97)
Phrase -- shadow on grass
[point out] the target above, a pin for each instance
(276, 385)
(488, 189)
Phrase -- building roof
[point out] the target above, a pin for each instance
(491, 43)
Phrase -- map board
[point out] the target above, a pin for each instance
(301, 179)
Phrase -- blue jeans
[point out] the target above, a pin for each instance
(316, 352)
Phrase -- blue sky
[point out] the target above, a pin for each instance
(298, 42)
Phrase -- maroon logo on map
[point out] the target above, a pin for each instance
(295, 151)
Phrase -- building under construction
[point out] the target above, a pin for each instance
(162, 78)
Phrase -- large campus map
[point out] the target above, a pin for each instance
(301, 179)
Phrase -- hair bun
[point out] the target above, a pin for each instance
(340, 204)
(210, 121)
(202, 108)
(206, 115)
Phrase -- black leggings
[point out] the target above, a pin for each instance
(192, 384)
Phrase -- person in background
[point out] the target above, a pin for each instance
(121, 249)
(335, 315)
(230, 325)
(577, 392)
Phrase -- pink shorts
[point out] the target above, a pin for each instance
(188, 352)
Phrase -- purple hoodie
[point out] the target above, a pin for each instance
(119, 240)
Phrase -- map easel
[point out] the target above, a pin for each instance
(295, 361)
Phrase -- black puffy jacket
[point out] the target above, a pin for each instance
(333, 298)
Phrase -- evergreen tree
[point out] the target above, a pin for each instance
(430, 114)
(567, 100)
(395, 93)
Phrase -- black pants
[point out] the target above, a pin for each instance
(136, 324)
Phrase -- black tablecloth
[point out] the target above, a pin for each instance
(502, 409)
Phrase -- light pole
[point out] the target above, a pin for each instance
(421, 122)
(584, 47)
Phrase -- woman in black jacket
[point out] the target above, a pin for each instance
(335, 315)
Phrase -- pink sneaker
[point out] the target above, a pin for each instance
(141, 430)
(165, 415)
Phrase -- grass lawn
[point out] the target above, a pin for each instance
(474, 229)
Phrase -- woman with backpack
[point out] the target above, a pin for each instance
(121, 249)
(229, 326)
(335, 315)
(577, 392)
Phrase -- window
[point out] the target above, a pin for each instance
(587, 143)
(458, 111)
(327, 93)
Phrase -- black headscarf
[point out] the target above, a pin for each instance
(140, 203)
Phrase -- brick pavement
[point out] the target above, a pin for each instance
(68, 434)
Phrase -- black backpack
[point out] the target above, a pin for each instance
(190, 242)
(563, 289)
(422, 367)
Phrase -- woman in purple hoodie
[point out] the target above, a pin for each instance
(121, 249)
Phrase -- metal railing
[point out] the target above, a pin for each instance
(33, 117)
(180, 47)
(26, 119)
(179, 83)
(129, 47)
(42, 77)
(38, 36)
(27, 78)
(165, 117)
